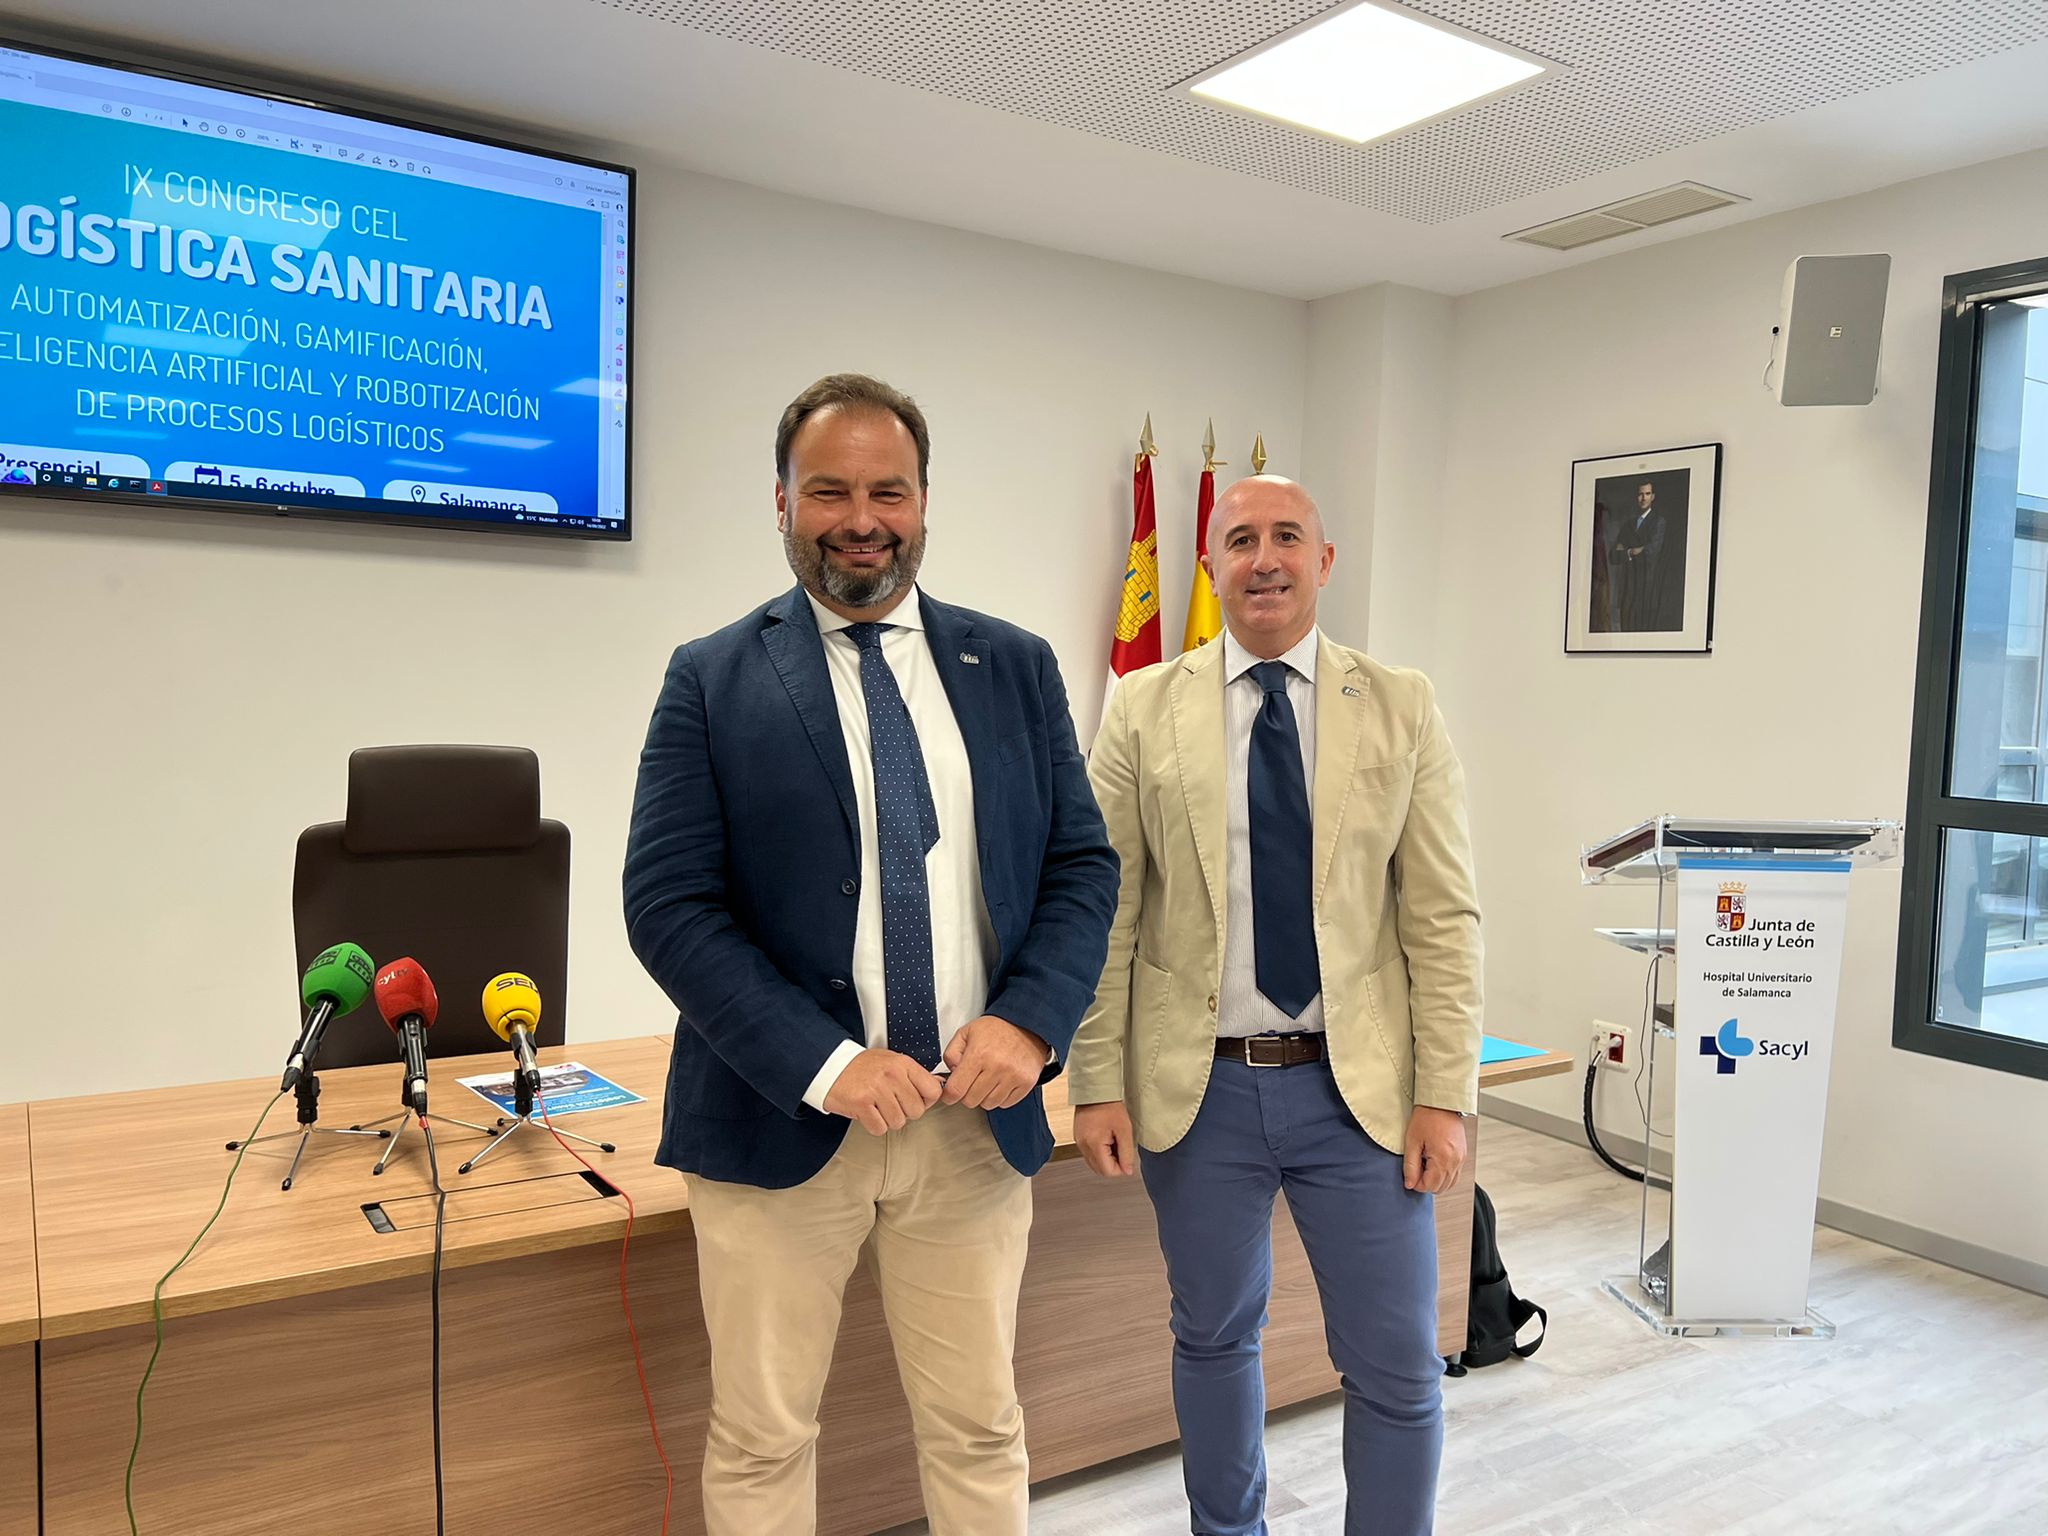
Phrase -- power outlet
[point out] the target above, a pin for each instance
(1614, 1045)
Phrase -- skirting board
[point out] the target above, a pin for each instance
(2004, 1268)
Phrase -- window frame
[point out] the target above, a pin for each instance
(1931, 812)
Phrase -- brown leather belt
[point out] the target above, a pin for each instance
(1272, 1050)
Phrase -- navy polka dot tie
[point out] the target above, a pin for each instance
(906, 829)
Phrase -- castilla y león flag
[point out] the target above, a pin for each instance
(1137, 616)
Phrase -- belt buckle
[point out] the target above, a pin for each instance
(1252, 1043)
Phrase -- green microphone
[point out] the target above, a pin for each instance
(334, 984)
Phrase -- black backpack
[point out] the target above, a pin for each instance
(1495, 1313)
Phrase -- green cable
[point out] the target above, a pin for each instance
(157, 1309)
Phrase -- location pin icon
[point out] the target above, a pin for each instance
(419, 492)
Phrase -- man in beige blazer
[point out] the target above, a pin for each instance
(1290, 1003)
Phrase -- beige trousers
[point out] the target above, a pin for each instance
(949, 1221)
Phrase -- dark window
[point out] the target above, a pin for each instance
(1973, 932)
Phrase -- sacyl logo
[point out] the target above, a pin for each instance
(1729, 1045)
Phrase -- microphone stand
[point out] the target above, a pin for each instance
(523, 1083)
(307, 1093)
(406, 1116)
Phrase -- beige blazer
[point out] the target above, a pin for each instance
(1396, 915)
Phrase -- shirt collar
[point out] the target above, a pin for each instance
(1237, 660)
(907, 614)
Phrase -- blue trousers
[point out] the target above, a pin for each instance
(1372, 1246)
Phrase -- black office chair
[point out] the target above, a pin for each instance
(444, 857)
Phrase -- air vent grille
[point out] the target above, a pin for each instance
(1626, 217)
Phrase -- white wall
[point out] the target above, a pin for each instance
(181, 691)
(1410, 517)
(1341, 445)
(1379, 378)
(1805, 707)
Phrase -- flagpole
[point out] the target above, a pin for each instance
(1205, 616)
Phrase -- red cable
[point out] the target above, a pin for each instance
(626, 1301)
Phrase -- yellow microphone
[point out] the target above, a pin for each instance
(512, 1009)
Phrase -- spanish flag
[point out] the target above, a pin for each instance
(1137, 617)
(1205, 614)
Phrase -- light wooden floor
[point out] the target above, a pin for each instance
(1927, 1413)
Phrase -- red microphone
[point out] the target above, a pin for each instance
(405, 996)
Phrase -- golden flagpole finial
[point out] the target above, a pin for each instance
(1147, 449)
(1209, 459)
(1258, 453)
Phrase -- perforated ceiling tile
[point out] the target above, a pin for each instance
(1641, 77)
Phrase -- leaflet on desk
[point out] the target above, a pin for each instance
(569, 1088)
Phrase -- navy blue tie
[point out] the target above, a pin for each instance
(906, 829)
(1283, 890)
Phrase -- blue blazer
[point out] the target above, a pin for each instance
(743, 876)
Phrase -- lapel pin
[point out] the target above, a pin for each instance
(1351, 692)
(970, 658)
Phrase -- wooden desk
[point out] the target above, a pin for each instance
(127, 1179)
(1500, 1073)
(293, 1390)
(294, 1385)
(18, 1322)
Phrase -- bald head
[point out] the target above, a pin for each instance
(1274, 495)
(1268, 558)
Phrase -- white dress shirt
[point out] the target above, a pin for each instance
(963, 939)
(1241, 1008)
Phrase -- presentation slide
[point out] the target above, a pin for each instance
(233, 298)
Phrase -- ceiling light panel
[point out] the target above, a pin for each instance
(1364, 71)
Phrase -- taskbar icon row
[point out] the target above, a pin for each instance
(467, 503)
(137, 485)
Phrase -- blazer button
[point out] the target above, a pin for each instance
(849, 887)
(837, 984)
(1212, 1002)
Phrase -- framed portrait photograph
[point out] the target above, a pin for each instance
(1643, 529)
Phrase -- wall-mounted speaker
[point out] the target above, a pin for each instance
(1830, 327)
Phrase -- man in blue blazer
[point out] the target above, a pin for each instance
(867, 867)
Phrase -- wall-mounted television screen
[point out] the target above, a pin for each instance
(217, 297)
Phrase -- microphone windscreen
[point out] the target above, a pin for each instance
(511, 1000)
(403, 988)
(341, 975)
